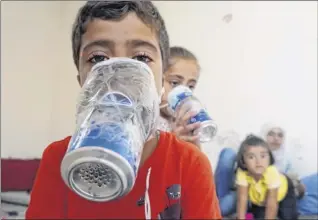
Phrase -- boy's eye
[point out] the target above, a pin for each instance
(192, 87)
(143, 58)
(174, 83)
(97, 58)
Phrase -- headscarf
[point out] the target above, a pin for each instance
(280, 154)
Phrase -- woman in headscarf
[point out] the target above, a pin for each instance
(275, 137)
(306, 188)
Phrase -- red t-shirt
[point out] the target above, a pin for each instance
(175, 165)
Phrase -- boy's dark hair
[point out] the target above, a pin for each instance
(181, 52)
(252, 140)
(115, 10)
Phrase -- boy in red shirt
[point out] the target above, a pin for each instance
(181, 184)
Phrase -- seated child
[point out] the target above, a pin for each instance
(270, 193)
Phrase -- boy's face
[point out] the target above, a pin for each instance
(256, 159)
(182, 72)
(128, 37)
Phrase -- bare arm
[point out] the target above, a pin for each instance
(242, 199)
(271, 204)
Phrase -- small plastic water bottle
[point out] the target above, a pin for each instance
(181, 96)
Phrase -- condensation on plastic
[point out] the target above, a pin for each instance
(133, 80)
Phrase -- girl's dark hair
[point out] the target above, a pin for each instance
(252, 140)
(115, 10)
(181, 52)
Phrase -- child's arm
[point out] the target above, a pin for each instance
(273, 182)
(242, 193)
(271, 204)
(242, 199)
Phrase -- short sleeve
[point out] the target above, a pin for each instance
(241, 178)
(49, 191)
(200, 199)
(272, 177)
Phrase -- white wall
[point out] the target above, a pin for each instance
(38, 77)
(65, 96)
(29, 52)
(261, 66)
